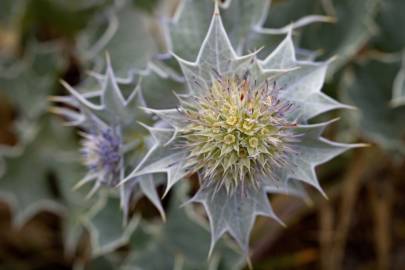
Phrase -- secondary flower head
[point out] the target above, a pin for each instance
(236, 132)
(102, 155)
(112, 136)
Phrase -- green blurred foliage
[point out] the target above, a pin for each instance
(42, 41)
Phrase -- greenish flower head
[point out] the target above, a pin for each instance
(236, 131)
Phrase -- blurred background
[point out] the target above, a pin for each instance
(360, 226)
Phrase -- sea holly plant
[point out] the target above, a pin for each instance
(239, 127)
(112, 138)
(242, 128)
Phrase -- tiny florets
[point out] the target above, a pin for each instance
(236, 132)
(102, 155)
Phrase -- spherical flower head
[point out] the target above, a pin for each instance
(236, 132)
(102, 155)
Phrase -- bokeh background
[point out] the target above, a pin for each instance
(360, 226)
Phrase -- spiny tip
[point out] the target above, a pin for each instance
(216, 8)
(108, 58)
(330, 19)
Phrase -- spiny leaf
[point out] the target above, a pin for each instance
(370, 89)
(30, 81)
(301, 86)
(234, 213)
(390, 37)
(187, 28)
(314, 150)
(241, 17)
(107, 230)
(33, 168)
(354, 27)
(171, 243)
(125, 38)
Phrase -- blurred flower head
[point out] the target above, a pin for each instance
(101, 153)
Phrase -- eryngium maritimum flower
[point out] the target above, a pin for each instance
(243, 128)
(102, 155)
(236, 132)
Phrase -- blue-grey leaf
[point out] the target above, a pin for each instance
(105, 223)
(172, 244)
(370, 89)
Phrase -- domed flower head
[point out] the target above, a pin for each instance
(242, 129)
(112, 138)
(102, 154)
(237, 133)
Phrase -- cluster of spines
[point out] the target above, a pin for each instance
(236, 131)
